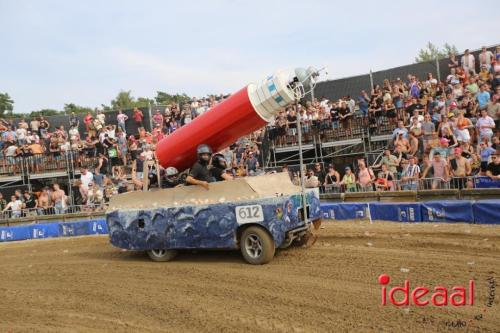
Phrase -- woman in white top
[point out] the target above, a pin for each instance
(15, 205)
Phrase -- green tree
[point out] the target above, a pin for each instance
(143, 102)
(6, 104)
(166, 98)
(68, 108)
(44, 112)
(124, 100)
(431, 52)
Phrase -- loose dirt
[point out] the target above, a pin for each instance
(86, 285)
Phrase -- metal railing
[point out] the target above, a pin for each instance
(67, 211)
(433, 183)
(39, 163)
(328, 130)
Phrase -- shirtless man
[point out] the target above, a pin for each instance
(58, 197)
(459, 169)
(44, 203)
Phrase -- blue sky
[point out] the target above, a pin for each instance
(85, 52)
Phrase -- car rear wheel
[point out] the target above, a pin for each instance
(162, 254)
(257, 246)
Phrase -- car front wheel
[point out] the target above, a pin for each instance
(257, 246)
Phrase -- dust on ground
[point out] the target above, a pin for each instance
(84, 284)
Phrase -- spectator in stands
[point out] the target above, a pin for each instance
(310, 180)
(390, 111)
(468, 63)
(101, 117)
(30, 204)
(483, 97)
(459, 168)
(73, 120)
(251, 164)
(332, 179)
(35, 125)
(44, 202)
(366, 177)
(410, 174)
(158, 119)
(121, 118)
(3, 202)
(484, 151)
(401, 129)
(413, 142)
(88, 120)
(401, 144)
(486, 58)
(86, 177)
(440, 169)
(428, 130)
(59, 199)
(448, 135)
(349, 180)
(493, 168)
(291, 124)
(443, 150)
(462, 127)
(485, 124)
(364, 102)
(385, 180)
(15, 206)
(345, 117)
(101, 170)
(391, 161)
(319, 173)
(95, 196)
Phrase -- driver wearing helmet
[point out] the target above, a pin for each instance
(172, 178)
(219, 167)
(199, 173)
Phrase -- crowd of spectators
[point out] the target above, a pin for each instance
(443, 132)
(110, 159)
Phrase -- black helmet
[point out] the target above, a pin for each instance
(219, 161)
(201, 150)
(204, 149)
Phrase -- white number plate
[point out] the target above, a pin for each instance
(249, 214)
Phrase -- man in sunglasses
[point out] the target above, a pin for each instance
(493, 168)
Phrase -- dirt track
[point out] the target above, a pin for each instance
(86, 285)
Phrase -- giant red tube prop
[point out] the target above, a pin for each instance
(242, 113)
(219, 128)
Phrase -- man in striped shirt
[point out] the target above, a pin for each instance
(410, 175)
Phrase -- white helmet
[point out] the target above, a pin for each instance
(171, 171)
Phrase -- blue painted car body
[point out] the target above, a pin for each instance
(210, 226)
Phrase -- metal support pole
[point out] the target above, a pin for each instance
(150, 117)
(371, 80)
(301, 172)
(437, 70)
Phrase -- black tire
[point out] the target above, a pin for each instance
(257, 246)
(161, 255)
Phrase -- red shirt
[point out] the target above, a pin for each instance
(138, 115)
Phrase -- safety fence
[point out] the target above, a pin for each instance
(40, 163)
(40, 212)
(53, 229)
(436, 183)
(326, 130)
(450, 211)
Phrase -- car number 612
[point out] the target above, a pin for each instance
(249, 214)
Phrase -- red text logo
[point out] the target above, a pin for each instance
(422, 296)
